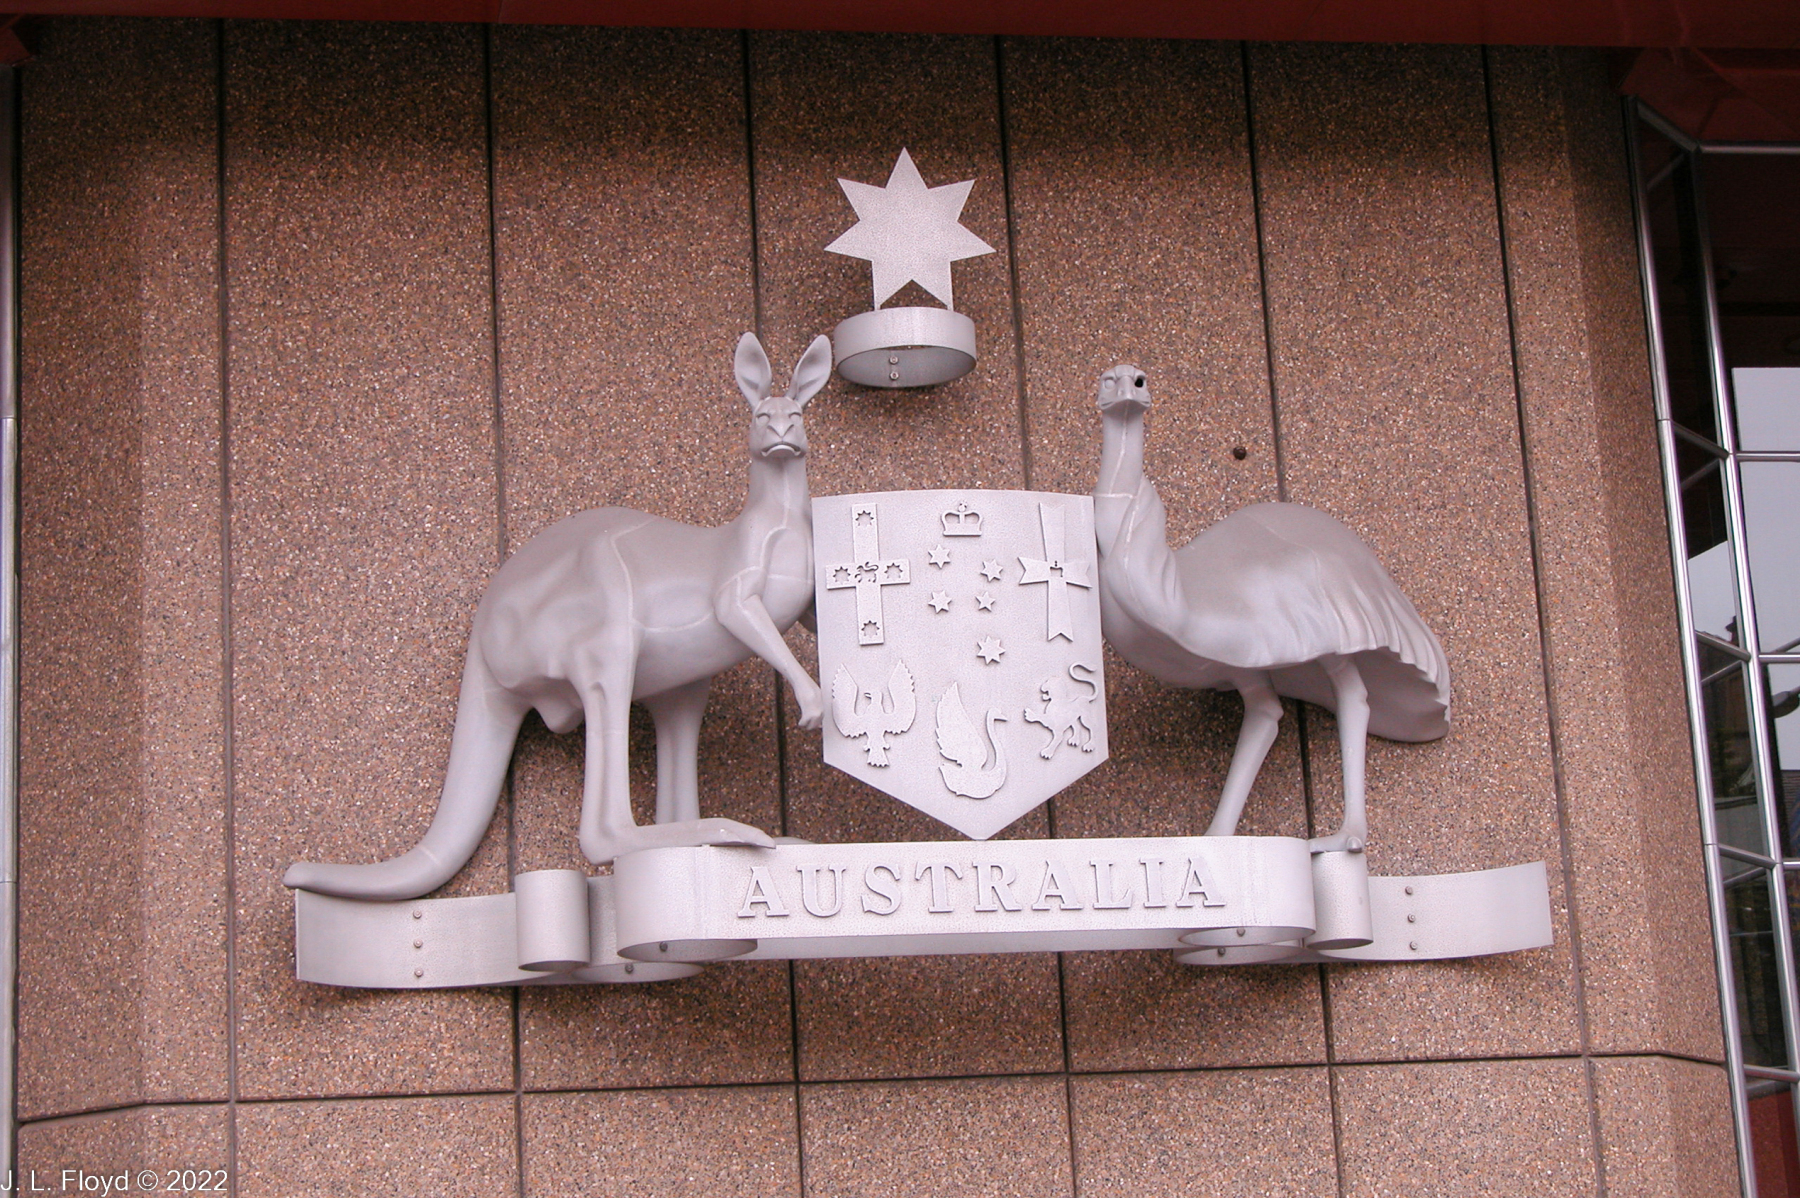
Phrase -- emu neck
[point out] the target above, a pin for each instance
(1121, 470)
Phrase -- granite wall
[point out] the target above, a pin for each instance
(321, 321)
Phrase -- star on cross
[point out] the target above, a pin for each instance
(909, 233)
(989, 649)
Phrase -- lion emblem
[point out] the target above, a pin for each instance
(1066, 711)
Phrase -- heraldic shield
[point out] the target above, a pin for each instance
(959, 645)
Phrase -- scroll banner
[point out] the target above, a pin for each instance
(665, 912)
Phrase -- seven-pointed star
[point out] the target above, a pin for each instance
(989, 650)
(908, 231)
(939, 555)
(992, 570)
(984, 600)
(940, 601)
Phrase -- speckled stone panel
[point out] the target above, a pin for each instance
(730, 1024)
(1222, 1132)
(1615, 670)
(823, 107)
(737, 1140)
(1144, 1010)
(374, 1148)
(1450, 1130)
(622, 217)
(1135, 228)
(364, 517)
(1665, 1128)
(121, 859)
(979, 1138)
(1398, 416)
(960, 1015)
(166, 1140)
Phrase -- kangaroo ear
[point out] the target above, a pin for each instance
(813, 372)
(752, 366)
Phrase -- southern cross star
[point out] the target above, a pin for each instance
(989, 650)
(939, 555)
(992, 570)
(940, 601)
(984, 600)
(909, 232)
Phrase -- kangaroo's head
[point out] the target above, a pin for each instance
(1123, 389)
(777, 432)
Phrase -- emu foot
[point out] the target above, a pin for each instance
(1344, 841)
(680, 834)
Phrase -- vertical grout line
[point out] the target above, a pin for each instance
(516, 997)
(1003, 120)
(1012, 270)
(1331, 1087)
(1302, 729)
(1546, 659)
(1262, 273)
(781, 745)
(227, 701)
(750, 175)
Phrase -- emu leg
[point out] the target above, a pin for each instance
(1262, 719)
(677, 714)
(1353, 737)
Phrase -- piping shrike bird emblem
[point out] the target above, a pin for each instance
(879, 717)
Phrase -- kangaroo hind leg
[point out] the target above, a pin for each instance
(607, 827)
(677, 714)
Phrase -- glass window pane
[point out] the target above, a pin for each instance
(1680, 288)
(1783, 693)
(1654, 151)
(1755, 969)
(1712, 574)
(1753, 220)
(1772, 1139)
(1767, 399)
(1691, 458)
(1731, 764)
(1772, 532)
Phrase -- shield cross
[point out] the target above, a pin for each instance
(959, 639)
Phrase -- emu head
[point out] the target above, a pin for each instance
(1123, 388)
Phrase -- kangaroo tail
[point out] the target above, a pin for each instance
(487, 722)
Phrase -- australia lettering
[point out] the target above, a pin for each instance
(947, 886)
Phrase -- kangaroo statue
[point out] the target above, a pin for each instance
(613, 605)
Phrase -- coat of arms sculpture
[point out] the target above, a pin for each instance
(961, 639)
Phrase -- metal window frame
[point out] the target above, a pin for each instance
(1749, 656)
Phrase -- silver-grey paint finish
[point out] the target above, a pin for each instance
(1275, 599)
(666, 912)
(610, 606)
(959, 632)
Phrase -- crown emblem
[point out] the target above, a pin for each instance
(962, 521)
